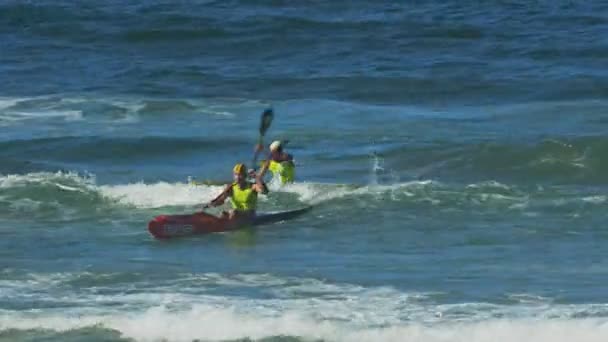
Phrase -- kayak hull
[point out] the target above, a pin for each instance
(172, 226)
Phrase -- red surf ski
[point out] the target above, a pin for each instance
(171, 226)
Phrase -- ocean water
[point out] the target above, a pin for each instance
(455, 153)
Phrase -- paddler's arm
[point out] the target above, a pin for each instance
(219, 200)
(264, 168)
(260, 186)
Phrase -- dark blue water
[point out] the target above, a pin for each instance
(455, 153)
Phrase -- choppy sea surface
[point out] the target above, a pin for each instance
(455, 153)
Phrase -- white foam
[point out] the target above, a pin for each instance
(6, 102)
(64, 108)
(183, 194)
(594, 199)
(24, 205)
(304, 307)
(490, 184)
(315, 193)
(68, 115)
(160, 194)
(131, 106)
(31, 202)
(54, 178)
(209, 322)
(526, 298)
(139, 194)
(217, 112)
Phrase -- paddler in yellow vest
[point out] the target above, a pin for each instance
(243, 194)
(279, 163)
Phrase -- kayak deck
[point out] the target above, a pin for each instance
(171, 226)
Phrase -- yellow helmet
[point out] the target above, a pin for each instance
(240, 168)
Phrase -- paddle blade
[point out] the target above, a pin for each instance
(266, 120)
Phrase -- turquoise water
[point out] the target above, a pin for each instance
(454, 152)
